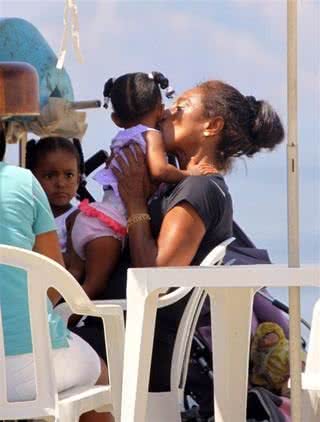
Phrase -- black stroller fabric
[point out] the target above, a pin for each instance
(262, 406)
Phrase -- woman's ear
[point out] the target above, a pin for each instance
(213, 127)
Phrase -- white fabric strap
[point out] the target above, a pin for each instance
(70, 18)
(75, 31)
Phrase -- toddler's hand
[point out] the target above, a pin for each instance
(109, 159)
(201, 169)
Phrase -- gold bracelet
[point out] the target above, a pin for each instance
(136, 218)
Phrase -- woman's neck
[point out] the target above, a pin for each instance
(199, 157)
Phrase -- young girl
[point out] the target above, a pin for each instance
(99, 230)
(57, 164)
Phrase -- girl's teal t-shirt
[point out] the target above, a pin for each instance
(24, 213)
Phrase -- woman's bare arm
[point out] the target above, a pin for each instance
(181, 233)
(182, 228)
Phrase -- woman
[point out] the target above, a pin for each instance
(210, 124)
(27, 222)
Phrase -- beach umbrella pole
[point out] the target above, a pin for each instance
(293, 207)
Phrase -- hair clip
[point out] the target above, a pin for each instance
(107, 91)
(170, 92)
(150, 76)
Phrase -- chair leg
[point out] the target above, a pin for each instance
(68, 414)
(141, 316)
(231, 324)
(311, 406)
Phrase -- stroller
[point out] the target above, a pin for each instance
(262, 404)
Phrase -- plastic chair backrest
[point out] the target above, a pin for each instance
(215, 257)
(189, 319)
(42, 273)
(313, 361)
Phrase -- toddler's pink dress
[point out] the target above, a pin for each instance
(109, 217)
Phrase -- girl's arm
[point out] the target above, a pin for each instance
(160, 169)
(101, 257)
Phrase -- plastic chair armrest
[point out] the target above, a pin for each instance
(120, 302)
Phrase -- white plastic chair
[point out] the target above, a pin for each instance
(168, 405)
(48, 405)
(311, 376)
(231, 290)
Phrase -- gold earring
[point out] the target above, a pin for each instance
(206, 133)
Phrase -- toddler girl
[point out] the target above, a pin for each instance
(137, 108)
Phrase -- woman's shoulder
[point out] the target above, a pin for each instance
(213, 185)
(208, 195)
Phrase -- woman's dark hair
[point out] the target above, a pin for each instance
(37, 150)
(2, 143)
(250, 125)
(135, 94)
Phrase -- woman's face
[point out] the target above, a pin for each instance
(183, 124)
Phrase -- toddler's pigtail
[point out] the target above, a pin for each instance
(163, 82)
(82, 192)
(78, 147)
(107, 92)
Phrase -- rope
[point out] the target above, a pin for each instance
(71, 23)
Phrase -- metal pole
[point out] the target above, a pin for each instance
(293, 208)
(22, 152)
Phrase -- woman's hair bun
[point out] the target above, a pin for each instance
(265, 127)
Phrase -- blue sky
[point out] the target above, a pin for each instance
(241, 42)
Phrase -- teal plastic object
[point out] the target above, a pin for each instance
(21, 41)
